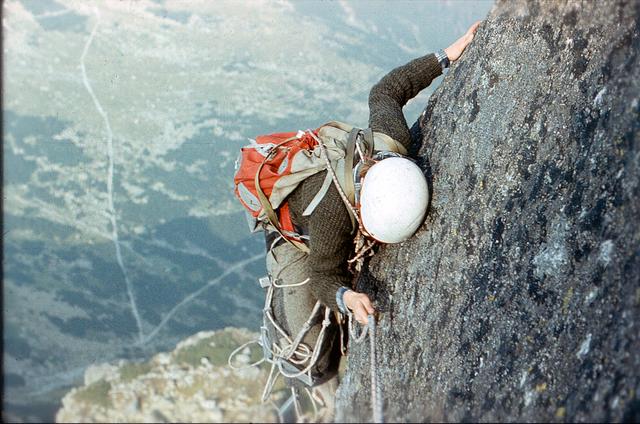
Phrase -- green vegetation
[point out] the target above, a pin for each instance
(96, 393)
(216, 349)
(129, 372)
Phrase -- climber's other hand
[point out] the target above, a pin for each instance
(359, 304)
(455, 50)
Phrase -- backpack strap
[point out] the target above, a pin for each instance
(369, 142)
(354, 145)
(382, 141)
(266, 205)
(334, 178)
(319, 196)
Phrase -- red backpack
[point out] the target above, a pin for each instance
(261, 182)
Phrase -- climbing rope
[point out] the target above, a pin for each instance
(285, 350)
(363, 243)
(363, 247)
(357, 338)
(235, 352)
(376, 391)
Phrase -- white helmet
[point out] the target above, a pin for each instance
(393, 200)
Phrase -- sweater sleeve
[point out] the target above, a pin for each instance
(394, 90)
(331, 243)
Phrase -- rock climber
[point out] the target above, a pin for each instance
(302, 278)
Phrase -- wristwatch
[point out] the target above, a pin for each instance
(443, 59)
(340, 299)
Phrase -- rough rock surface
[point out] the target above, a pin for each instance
(519, 298)
(190, 384)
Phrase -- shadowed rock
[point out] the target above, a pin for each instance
(519, 298)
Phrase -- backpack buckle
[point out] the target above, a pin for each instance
(265, 282)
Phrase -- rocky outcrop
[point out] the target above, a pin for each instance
(519, 298)
(191, 384)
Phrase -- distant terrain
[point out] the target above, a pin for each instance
(192, 383)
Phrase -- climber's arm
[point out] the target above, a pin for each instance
(331, 245)
(388, 97)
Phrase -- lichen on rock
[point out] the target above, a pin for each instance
(519, 297)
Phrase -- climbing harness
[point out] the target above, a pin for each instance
(292, 350)
(289, 356)
(276, 363)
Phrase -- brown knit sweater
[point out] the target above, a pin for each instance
(329, 226)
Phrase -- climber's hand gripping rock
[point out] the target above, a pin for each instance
(360, 305)
(455, 50)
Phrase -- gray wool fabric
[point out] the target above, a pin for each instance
(329, 226)
(293, 306)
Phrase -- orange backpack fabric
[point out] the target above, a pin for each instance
(273, 156)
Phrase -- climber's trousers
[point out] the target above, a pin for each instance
(292, 307)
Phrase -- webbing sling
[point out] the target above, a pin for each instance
(367, 135)
(349, 188)
(353, 146)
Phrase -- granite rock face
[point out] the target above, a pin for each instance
(519, 298)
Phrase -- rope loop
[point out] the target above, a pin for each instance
(357, 338)
(284, 286)
(376, 392)
(235, 352)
